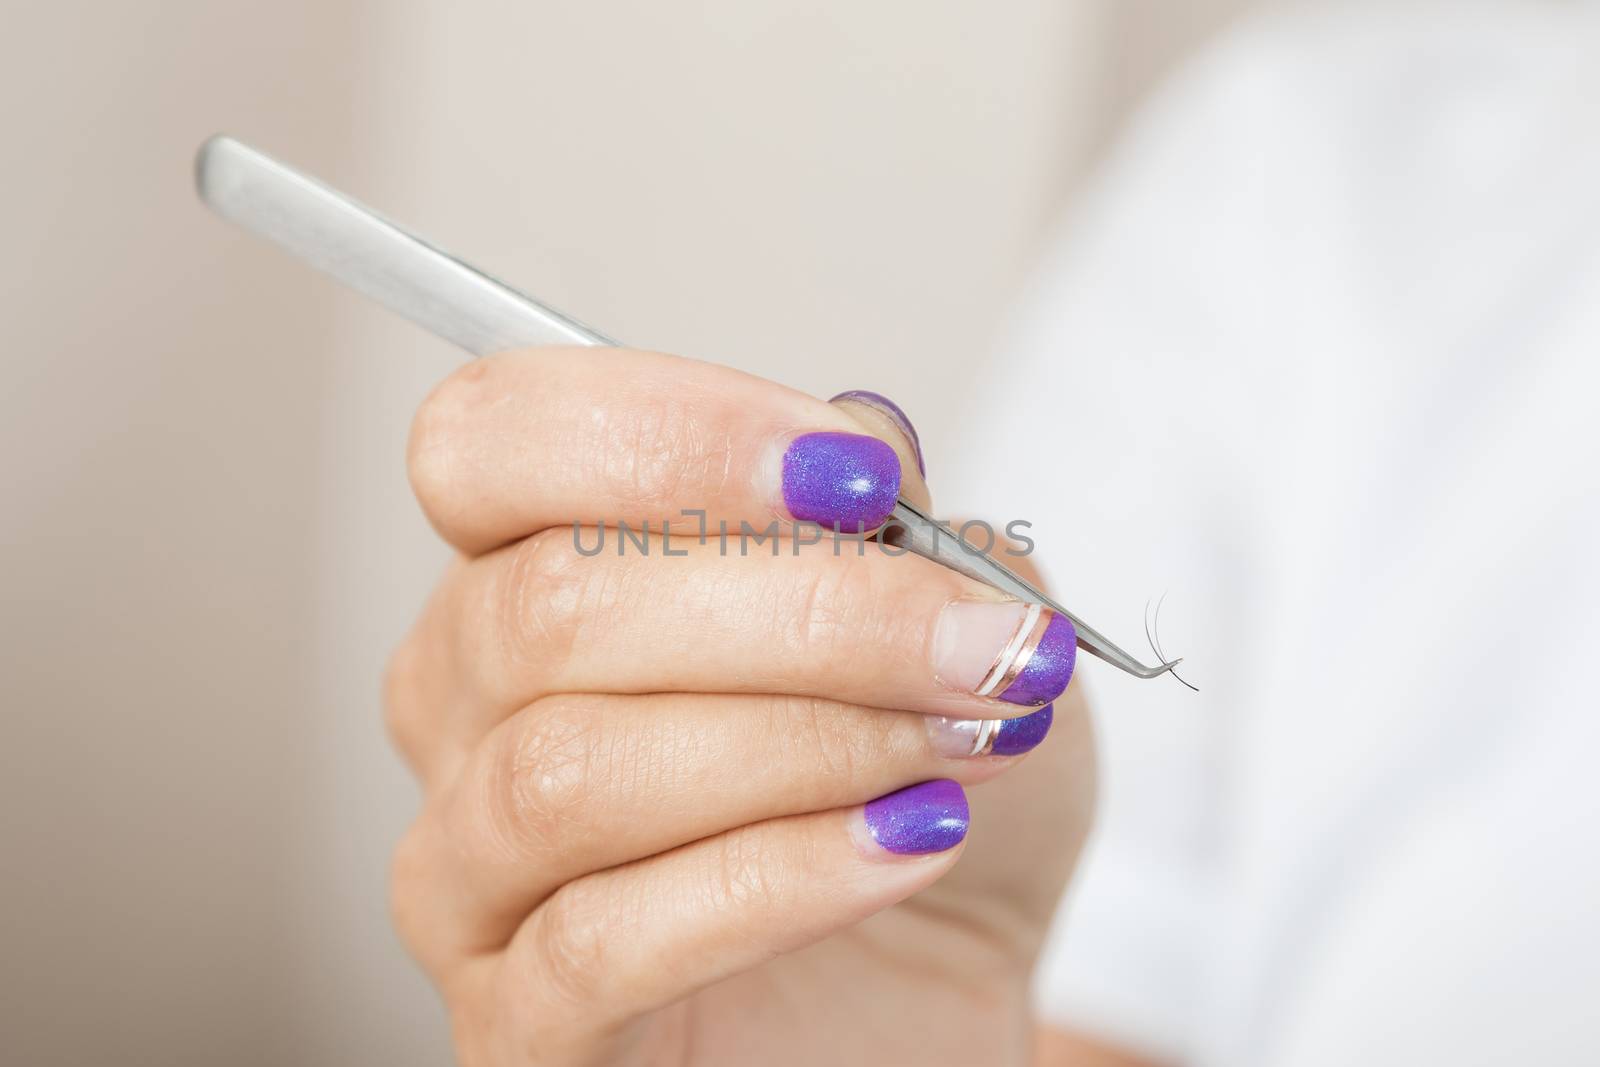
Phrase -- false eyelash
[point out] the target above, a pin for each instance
(1152, 633)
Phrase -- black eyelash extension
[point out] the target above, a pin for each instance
(1152, 634)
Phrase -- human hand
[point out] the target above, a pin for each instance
(691, 809)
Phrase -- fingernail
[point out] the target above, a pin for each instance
(1013, 737)
(922, 818)
(1016, 652)
(894, 412)
(845, 479)
(960, 738)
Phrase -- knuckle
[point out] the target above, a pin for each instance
(540, 785)
(658, 450)
(812, 732)
(408, 874)
(750, 876)
(541, 599)
(844, 620)
(440, 431)
(569, 945)
(403, 701)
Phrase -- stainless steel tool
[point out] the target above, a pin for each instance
(468, 308)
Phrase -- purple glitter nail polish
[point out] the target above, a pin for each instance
(1048, 671)
(922, 818)
(1017, 736)
(847, 479)
(895, 412)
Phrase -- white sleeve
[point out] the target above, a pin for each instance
(1089, 436)
(1321, 315)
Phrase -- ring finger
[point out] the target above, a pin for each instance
(577, 784)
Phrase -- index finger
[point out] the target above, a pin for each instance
(518, 443)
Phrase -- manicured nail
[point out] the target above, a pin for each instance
(922, 818)
(1013, 737)
(961, 738)
(894, 412)
(848, 479)
(1016, 652)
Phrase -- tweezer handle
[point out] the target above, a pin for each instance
(376, 257)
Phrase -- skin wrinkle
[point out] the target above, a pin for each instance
(844, 746)
(799, 736)
(571, 944)
(491, 803)
(652, 760)
(598, 598)
(653, 453)
(718, 602)
(656, 476)
(748, 874)
(676, 757)
(788, 627)
(838, 601)
(836, 755)
(548, 780)
(557, 596)
(714, 460)
(627, 760)
(611, 465)
(864, 614)
(655, 761)
(544, 604)
(725, 453)
(856, 606)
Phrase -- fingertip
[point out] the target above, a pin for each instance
(966, 739)
(924, 819)
(887, 408)
(846, 480)
(888, 421)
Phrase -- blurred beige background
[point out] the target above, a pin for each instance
(208, 540)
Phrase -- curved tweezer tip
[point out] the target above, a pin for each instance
(1149, 672)
(1098, 645)
(928, 537)
(1091, 640)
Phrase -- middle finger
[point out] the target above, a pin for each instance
(541, 617)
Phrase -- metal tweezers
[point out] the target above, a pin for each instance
(468, 308)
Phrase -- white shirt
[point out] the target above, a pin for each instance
(1320, 360)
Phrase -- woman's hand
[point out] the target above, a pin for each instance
(678, 804)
